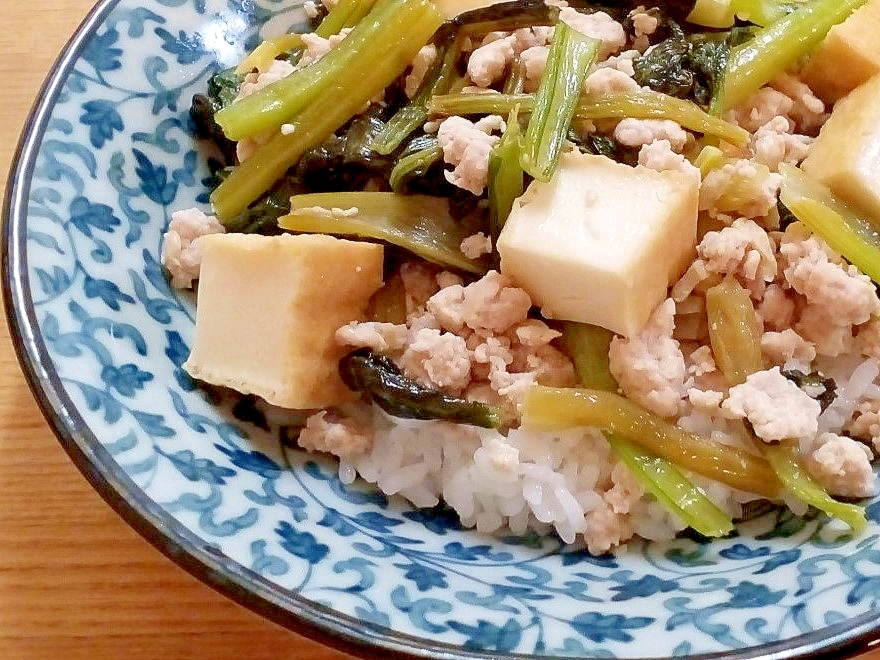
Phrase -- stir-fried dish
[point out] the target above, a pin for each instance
(599, 270)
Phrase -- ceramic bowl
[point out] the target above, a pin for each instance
(213, 482)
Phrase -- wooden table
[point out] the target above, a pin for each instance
(75, 581)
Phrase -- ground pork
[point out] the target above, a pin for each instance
(626, 489)
(378, 337)
(255, 80)
(743, 188)
(598, 25)
(498, 50)
(742, 249)
(787, 97)
(491, 305)
(318, 46)
(644, 25)
(419, 67)
(476, 245)
(776, 408)
(606, 529)
(607, 80)
(437, 359)
(488, 62)
(659, 156)
(776, 309)
(842, 465)
(341, 437)
(865, 423)
(638, 132)
(650, 367)
(466, 146)
(780, 348)
(181, 255)
(774, 143)
(534, 62)
(837, 296)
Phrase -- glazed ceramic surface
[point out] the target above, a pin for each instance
(214, 481)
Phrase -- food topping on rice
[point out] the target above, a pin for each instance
(605, 273)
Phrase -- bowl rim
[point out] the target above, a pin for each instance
(175, 540)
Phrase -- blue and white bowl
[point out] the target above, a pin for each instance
(108, 154)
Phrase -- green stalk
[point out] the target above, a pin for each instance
(352, 70)
(414, 113)
(588, 347)
(734, 332)
(345, 13)
(421, 224)
(777, 47)
(401, 32)
(786, 461)
(505, 181)
(571, 55)
(413, 165)
(262, 56)
(648, 104)
(847, 232)
(672, 489)
(555, 408)
(641, 104)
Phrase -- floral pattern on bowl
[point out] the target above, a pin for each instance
(211, 479)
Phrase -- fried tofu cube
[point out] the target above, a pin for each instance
(848, 56)
(267, 311)
(846, 155)
(601, 242)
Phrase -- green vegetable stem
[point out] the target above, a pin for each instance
(382, 381)
(734, 332)
(571, 55)
(777, 47)
(412, 115)
(588, 347)
(317, 100)
(421, 224)
(345, 13)
(414, 164)
(505, 180)
(672, 489)
(553, 408)
(641, 104)
(846, 231)
(786, 461)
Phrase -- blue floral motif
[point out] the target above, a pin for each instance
(114, 157)
(253, 461)
(187, 48)
(424, 577)
(102, 52)
(126, 379)
(199, 469)
(107, 291)
(488, 636)
(86, 217)
(301, 544)
(749, 594)
(599, 627)
(104, 121)
(644, 586)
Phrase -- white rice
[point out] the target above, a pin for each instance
(523, 481)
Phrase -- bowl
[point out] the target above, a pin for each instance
(212, 480)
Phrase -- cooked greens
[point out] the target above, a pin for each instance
(382, 382)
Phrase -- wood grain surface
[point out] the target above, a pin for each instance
(75, 581)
